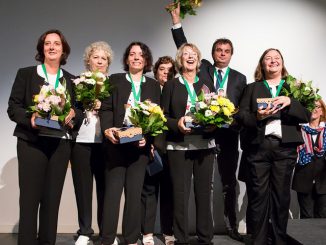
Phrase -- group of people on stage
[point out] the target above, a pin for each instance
(269, 137)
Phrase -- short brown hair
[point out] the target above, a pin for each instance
(178, 57)
(260, 73)
(222, 41)
(40, 47)
(146, 53)
(165, 60)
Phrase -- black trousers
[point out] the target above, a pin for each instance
(87, 161)
(42, 168)
(312, 205)
(227, 160)
(270, 168)
(129, 176)
(183, 166)
(157, 185)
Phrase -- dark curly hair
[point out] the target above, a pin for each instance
(165, 60)
(147, 54)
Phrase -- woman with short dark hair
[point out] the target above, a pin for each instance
(126, 163)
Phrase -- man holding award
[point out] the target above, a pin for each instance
(229, 83)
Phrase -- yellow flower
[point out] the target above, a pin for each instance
(226, 111)
(36, 98)
(214, 108)
(230, 106)
(221, 100)
(158, 110)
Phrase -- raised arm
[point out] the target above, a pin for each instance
(177, 31)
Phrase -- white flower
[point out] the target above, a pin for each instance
(214, 102)
(44, 106)
(208, 113)
(87, 74)
(90, 81)
(202, 105)
(143, 106)
(77, 81)
(60, 90)
(100, 76)
(146, 113)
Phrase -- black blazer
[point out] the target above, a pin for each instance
(113, 110)
(112, 113)
(174, 102)
(236, 81)
(254, 130)
(27, 84)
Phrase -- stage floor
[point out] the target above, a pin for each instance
(308, 231)
(68, 239)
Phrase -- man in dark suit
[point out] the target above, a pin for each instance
(229, 83)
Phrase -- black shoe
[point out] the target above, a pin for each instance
(235, 235)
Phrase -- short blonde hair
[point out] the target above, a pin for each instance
(178, 57)
(100, 45)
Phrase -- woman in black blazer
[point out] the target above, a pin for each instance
(188, 154)
(309, 180)
(126, 163)
(42, 155)
(271, 138)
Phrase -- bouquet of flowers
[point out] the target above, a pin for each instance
(212, 109)
(91, 86)
(148, 116)
(186, 7)
(302, 91)
(52, 102)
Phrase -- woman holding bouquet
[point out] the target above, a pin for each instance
(272, 135)
(126, 163)
(87, 155)
(43, 155)
(188, 154)
(309, 180)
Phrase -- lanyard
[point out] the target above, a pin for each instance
(278, 89)
(221, 83)
(191, 95)
(46, 75)
(136, 95)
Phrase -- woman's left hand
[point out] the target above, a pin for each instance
(281, 102)
(69, 117)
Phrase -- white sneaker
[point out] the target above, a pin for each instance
(115, 241)
(82, 240)
(169, 240)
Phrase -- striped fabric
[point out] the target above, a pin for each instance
(309, 149)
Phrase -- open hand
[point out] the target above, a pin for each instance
(109, 133)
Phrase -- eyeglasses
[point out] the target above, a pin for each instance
(187, 54)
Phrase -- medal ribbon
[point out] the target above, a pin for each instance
(47, 79)
(278, 89)
(136, 95)
(191, 95)
(221, 83)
